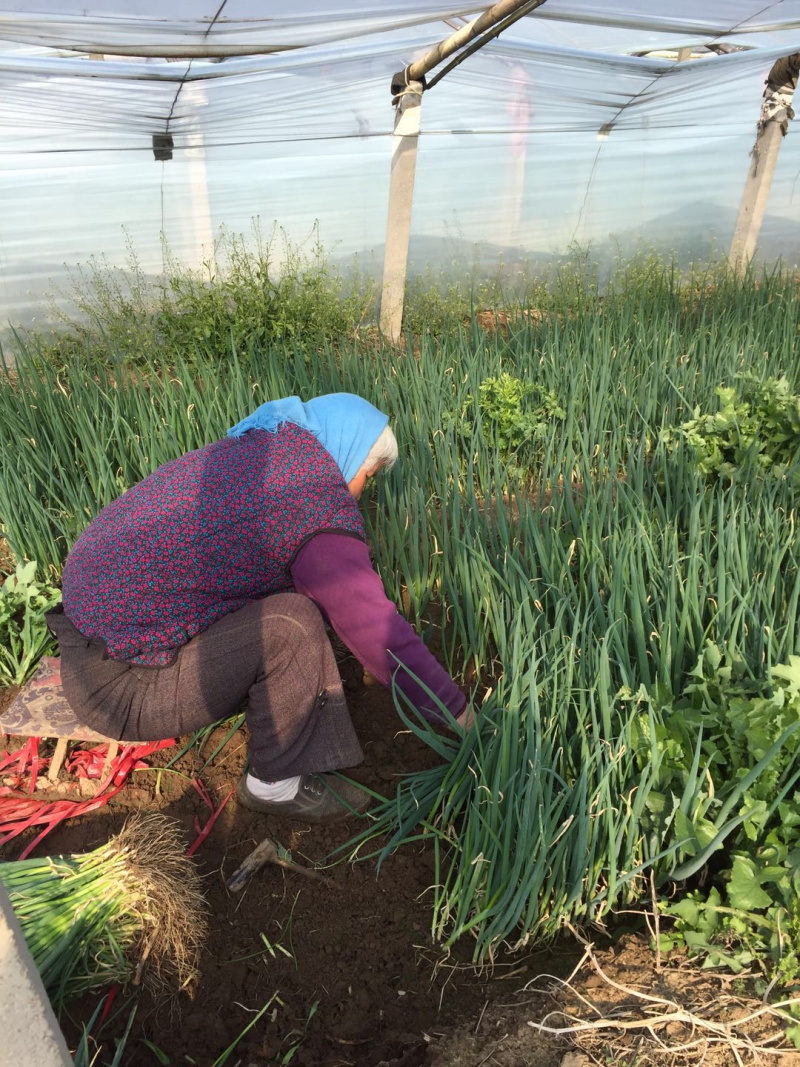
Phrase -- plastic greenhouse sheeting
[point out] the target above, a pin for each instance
(560, 131)
(204, 27)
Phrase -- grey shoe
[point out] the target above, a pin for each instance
(320, 798)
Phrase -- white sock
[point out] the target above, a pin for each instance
(284, 789)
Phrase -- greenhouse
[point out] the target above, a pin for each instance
(399, 581)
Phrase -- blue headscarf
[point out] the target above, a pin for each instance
(345, 424)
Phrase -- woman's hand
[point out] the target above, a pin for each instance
(466, 719)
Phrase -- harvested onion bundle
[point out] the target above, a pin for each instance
(130, 909)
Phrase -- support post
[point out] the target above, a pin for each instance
(405, 140)
(773, 125)
(202, 225)
(57, 760)
(407, 89)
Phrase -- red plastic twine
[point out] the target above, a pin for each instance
(19, 811)
(203, 832)
(25, 761)
(110, 998)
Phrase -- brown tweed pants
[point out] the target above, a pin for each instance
(274, 653)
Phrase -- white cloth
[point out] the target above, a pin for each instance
(284, 789)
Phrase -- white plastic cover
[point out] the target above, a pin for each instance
(207, 27)
(561, 131)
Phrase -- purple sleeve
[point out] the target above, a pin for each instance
(335, 571)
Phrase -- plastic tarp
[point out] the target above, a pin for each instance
(208, 27)
(556, 133)
(235, 27)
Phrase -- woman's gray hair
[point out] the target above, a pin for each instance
(383, 453)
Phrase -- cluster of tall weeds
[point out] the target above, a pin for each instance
(575, 580)
(249, 290)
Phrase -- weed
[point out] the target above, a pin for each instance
(24, 636)
(247, 291)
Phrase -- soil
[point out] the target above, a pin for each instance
(7, 563)
(355, 977)
(498, 320)
(359, 947)
(616, 997)
(7, 694)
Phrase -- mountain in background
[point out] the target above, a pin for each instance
(702, 230)
(451, 256)
(696, 233)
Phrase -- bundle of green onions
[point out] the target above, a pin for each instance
(130, 910)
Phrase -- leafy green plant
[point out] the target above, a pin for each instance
(513, 415)
(436, 305)
(730, 760)
(518, 412)
(24, 637)
(757, 427)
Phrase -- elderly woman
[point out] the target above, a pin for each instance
(211, 582)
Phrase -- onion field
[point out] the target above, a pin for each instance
(593, 525)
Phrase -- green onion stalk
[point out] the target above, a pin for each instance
(130, 911)
(538, 815)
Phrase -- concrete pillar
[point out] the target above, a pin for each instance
(518, 110)
(764, 159)
(202, 226)
(407, 88)
(30, 1034)
(773, 124)
(401, 198)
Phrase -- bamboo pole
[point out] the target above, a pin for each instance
(773, 125)
(441, 51)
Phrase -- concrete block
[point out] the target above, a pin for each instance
(31, 1036)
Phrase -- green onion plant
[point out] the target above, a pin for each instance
(572, 582)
